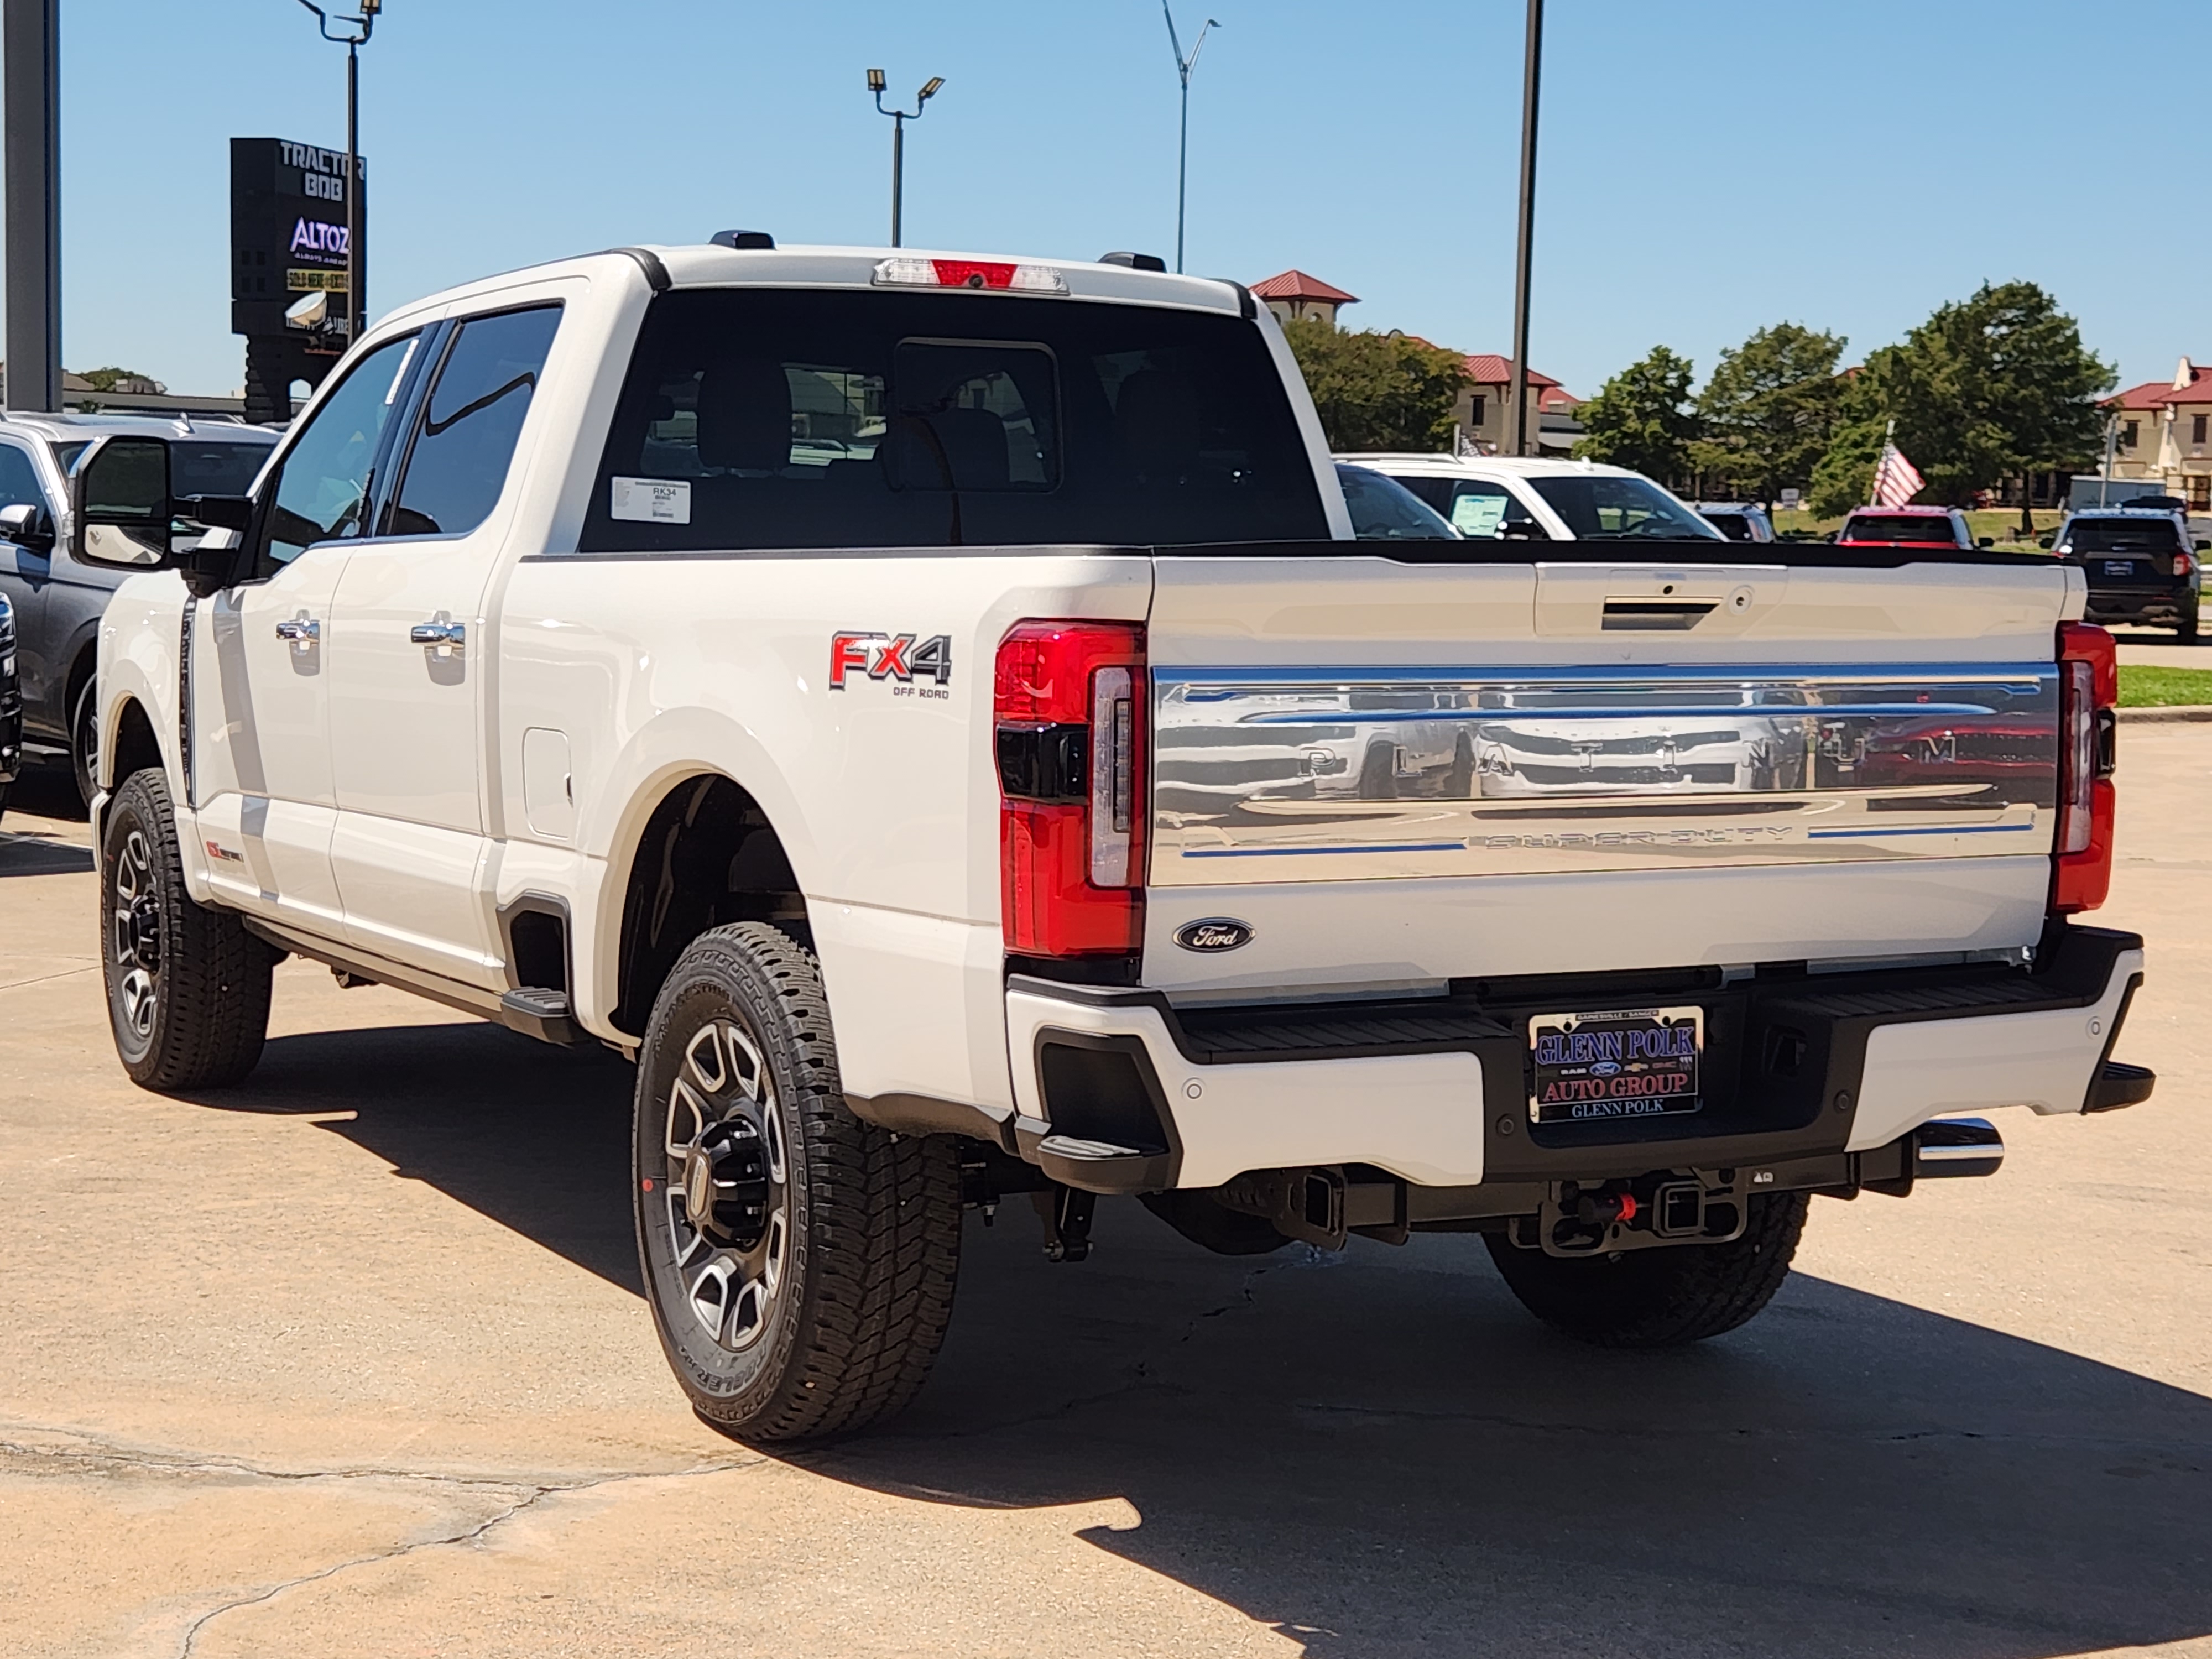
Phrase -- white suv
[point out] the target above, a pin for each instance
(1496, 497)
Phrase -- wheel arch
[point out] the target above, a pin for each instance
(698, 850)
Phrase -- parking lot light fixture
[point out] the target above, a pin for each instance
(353, 34)
(899, 118)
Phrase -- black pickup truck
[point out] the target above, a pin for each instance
(2142, 566)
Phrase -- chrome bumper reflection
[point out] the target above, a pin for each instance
(1311, 775)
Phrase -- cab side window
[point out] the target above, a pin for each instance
(470, 422)
(322, 489)
(19, 480)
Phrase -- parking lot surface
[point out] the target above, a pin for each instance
(351, 1360)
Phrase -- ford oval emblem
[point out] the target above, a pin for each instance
(1213, 934)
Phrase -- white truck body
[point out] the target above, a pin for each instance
(392, 805)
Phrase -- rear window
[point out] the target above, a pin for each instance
(2124, 536)
(768, 418)
(1898, 527)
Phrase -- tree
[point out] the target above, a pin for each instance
(1993, 386)
(1641, 417)
(1769, 412)
(1377, 390)
(122, 380)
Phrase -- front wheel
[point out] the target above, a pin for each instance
(799, 1263)
(1663, 1296)
(187, 986)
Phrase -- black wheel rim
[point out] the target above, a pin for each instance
(135, 935)
(727, 1185)
(87, 747)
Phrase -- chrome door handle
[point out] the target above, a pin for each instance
(451, 635)
(301, 631)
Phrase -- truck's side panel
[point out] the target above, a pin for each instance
(883, 790)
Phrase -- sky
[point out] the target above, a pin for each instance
(1705, 167)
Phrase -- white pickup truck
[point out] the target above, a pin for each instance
(929, 712)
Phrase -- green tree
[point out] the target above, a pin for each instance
(1642, 417)
(1993, 386)
(1377, 390)
(110, 379)
(1769, 412)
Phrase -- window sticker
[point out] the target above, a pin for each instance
(652, 501)
(1478, 515)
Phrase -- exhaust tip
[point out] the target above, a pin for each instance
(1955, 1146)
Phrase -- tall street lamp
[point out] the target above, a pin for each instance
(899, 118)
(353, 38)
(1183, 67)
(1534, 60)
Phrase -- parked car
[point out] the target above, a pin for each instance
(1385, 510)
(1907, 526)
(548, 672)
(11, 703)
(2141, 565)
(58, 596)
(1739, 522)
(1496, 497)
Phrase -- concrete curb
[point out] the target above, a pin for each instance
(2195, 711)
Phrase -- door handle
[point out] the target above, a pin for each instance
(449, 635)
(301, 632)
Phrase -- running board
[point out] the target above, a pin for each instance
(533, 1012)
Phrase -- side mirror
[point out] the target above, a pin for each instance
(27, 526)
(1986, 541)
(2048, 539)
(2203, 545)
(1521, 530)
(120, 505)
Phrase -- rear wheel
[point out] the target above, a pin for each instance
(2185, 630)
(799, 1263)
(1663, 1296)
(84, 740)
(187, 986)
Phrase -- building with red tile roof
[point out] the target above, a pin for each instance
(1294, 296)
(2164, 432)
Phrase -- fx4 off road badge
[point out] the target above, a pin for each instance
(893, 657)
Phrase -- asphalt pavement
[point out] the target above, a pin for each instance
(351, 1361)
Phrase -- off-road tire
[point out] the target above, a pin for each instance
(188, 995)
(844, 1331)
(1663, 1297)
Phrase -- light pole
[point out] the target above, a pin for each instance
(1528, 239)
(899, 118)
(1183, 67)
(362, 25)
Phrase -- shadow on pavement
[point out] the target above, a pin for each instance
(1379, 1453)
(49, 791)
(35, 854)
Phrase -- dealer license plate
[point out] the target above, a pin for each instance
(1626, 1062)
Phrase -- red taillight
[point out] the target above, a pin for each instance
(2088, 688)
(902, 270)
(1068, 699)
(2184, 563)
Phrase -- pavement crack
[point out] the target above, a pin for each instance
(531, 1496)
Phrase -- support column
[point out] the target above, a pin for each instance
(30, 80)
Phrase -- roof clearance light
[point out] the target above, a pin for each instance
(970, 274)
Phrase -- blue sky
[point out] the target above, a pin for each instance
(1707, 166)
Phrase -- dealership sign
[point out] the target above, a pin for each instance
(287, 238)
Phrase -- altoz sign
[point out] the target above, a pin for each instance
(287, 243)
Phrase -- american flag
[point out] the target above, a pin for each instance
(1895, 479)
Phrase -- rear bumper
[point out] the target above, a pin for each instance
(2151, 606)
(1119, 1091)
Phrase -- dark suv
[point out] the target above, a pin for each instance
(2142, 566)
(58, 599)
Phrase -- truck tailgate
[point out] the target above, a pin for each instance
(1395, 773)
